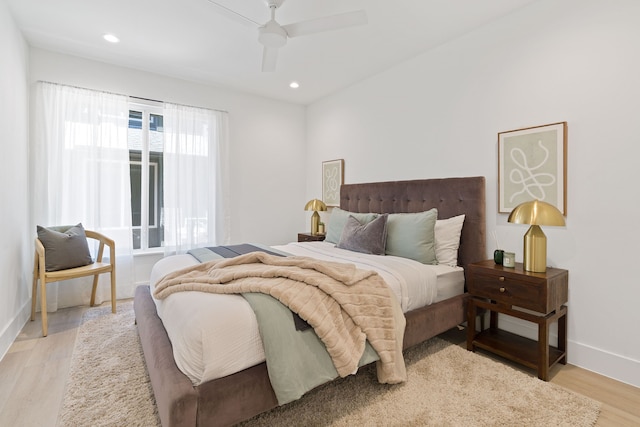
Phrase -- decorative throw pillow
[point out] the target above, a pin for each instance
(369, 238)
(447, 232)
(339, 218)
(411, 235)
(64, 247)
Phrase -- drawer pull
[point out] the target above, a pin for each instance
(501, 278)
(502, 290)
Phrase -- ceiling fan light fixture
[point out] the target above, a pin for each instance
(272, 35)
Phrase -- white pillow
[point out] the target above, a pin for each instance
(447, 232)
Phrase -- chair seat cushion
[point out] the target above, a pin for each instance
(65, 247)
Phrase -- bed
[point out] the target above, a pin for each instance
(242, 395)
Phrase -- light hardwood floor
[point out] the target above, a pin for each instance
(34, 372)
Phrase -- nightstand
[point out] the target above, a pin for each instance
(308, 237)
(508, 291)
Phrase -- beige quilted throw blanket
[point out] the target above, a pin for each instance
(344, 305)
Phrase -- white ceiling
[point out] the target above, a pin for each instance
(194, 40)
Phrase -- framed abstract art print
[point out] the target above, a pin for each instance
(332, 179)
(532, 164)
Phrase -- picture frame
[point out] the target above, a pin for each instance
(332, 179)
(532, 164)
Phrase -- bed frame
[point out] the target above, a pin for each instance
(240, 396)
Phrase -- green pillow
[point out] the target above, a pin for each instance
(64, 247)
(411, 235)
(339, 218)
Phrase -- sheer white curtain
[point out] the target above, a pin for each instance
(195, 178)
(80, 170)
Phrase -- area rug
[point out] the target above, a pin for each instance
(108, 383)
(447, 386)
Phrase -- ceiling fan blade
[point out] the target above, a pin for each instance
(269, 59)
(327, 23)
(232, 14)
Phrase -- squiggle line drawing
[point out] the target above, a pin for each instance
(332, 184)
(532, 183)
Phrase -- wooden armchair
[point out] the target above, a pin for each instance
(95, 269)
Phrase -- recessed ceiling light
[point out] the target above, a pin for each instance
(111, 38)
(294, 85)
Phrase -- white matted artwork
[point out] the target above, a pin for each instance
(332, 179)
(532, 164)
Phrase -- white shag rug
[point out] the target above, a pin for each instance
(448, 386)
(108, 383)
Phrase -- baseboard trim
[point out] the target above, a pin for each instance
(526, 329)
(620, 368)
(11, 332)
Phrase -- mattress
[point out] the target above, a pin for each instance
(215, 335)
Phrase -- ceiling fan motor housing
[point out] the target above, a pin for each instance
(272, 35)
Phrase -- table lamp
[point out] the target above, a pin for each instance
(315, 205)
(536, 213)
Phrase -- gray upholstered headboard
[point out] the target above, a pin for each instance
(451, 196)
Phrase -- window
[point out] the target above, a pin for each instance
(145, 138)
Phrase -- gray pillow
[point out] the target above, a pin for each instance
(369, 238)
(412, 235)
(64, 247)
(339, 218)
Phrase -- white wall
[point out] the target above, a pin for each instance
(15, 251)
(438, 115)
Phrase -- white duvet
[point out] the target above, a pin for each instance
(217, 335)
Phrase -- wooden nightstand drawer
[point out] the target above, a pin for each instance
(541, 292)
(504, 289)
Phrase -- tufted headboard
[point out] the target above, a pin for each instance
(451, 196)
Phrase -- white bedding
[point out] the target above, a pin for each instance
(217, 335)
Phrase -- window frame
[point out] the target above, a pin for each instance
(147, 108)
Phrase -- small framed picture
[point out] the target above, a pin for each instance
(532, 164)
(332, 179)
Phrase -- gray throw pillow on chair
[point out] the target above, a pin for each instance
(64, 247)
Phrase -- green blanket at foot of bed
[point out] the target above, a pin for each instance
(297, 361)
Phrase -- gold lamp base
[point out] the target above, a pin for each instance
(535, 250)
(315, 205)
(536, 213)
(315, 221)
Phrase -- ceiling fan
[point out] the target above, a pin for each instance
(273, 36)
